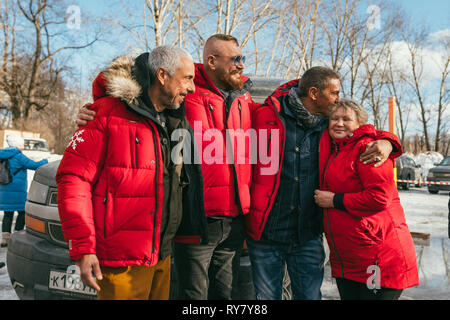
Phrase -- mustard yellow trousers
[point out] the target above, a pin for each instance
(136, 282)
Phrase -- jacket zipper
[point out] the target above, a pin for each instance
(240, 113)
(327, 215)
(105, 201)
(156, 186)
(211, 109)
(136, 140)
(274, 185)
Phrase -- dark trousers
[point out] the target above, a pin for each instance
(352, 290)
(209, 271)
(8, 219)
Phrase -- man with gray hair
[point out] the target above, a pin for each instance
(119, 192)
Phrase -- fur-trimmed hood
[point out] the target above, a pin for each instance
(117, 81)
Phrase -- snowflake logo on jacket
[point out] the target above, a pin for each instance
(76, 138)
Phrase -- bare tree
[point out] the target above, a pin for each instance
(302, 35)
(336, 26)
(415, 41)
(396, 85)
(29, 70)
(443, 93)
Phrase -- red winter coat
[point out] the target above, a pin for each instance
(226, 184)
(110, 183)
(372, 231)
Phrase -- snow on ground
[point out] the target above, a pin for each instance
(427, 161)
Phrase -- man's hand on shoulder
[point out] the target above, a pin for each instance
(84, 115)
(376, 151)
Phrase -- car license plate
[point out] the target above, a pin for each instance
(69, 282)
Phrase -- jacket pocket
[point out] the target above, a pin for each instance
(370, 233)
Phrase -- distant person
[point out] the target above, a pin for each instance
(372, 253)
(14, 194)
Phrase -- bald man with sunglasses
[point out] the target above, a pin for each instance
(207, 256)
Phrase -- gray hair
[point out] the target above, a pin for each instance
(166, 57)
(361, 114)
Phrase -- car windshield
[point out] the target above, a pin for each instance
(36, 145)
(445, 162)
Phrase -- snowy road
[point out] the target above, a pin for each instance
(425, 213)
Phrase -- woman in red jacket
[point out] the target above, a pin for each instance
(372, 254)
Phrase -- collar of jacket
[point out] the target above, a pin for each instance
(285, 111)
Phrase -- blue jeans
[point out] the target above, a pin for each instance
(305, 265)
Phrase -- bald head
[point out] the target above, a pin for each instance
(223, 61)
(216, 44)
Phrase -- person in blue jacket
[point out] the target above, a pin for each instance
(14, 194)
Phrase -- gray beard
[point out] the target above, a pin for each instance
(169, 104)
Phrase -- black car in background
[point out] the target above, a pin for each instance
(407, 169)
(440, 173)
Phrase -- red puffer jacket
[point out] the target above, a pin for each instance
(206, 113)
(371, 234)
(110, 184)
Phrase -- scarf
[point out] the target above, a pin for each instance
(306, 119)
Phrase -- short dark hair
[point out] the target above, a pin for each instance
(223, 37)
(318, 77)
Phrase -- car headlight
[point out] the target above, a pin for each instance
(35, 224)
(430, 174)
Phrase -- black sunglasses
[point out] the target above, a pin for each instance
(236, 60)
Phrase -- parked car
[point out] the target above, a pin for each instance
(38, 257)
(407, 169)
(440, 173)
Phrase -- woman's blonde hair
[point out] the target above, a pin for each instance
(361, 114)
